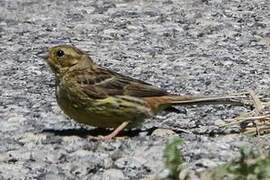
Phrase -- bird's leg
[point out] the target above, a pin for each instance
(114, 133)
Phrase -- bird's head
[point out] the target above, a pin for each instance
(63, 57)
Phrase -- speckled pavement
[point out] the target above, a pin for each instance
(197, 47)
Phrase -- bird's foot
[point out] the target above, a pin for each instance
(110, 136)
(98, 138)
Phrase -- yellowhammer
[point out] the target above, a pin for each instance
(99, 97)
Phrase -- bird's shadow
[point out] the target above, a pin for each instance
(83, 132)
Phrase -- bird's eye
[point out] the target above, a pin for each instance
(60, 53)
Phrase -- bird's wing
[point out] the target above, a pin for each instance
(101, 82)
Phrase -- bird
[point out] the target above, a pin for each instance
(97, 96)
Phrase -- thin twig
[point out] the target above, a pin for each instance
(239, 120)
(256, 101)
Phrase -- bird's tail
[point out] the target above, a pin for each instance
(155, 102)
(236, 100)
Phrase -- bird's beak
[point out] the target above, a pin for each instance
(44, 56)
(43, 53)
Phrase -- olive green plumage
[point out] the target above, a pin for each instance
(99, 97)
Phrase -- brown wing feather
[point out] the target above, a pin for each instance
(105, 83)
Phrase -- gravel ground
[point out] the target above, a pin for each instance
(185, 46)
